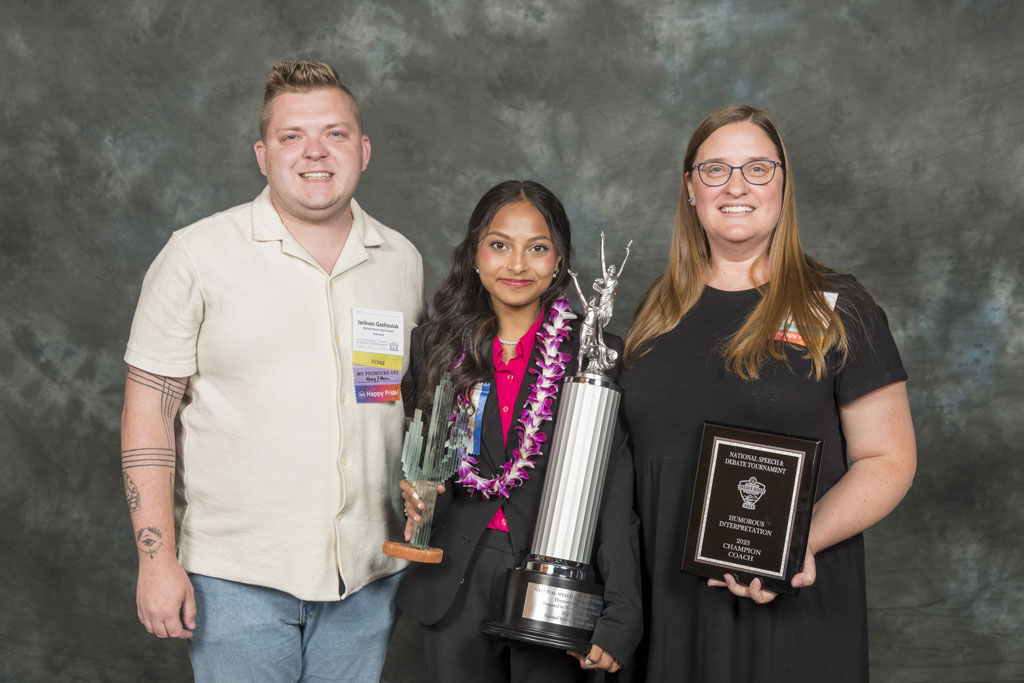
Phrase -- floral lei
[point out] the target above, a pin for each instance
(538, 410)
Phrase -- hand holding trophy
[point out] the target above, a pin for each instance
(425, 469)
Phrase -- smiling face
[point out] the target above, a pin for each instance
(313, 155)
(516, 258)
(737, 217)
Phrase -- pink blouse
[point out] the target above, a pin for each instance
(508, 379)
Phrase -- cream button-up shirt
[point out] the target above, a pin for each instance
(284, 480)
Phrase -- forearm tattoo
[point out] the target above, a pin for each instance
(147, 457)
(131, 494)
(150, 540)
(160, 456)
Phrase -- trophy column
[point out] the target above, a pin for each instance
(554, 600)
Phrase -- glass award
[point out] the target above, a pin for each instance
(426, 467)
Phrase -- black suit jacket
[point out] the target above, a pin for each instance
(427, 591)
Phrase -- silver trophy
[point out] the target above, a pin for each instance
(554, 600)
(425, 468)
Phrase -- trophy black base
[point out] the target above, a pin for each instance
(553, 611)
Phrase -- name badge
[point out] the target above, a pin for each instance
(788, 332)
(377, 351)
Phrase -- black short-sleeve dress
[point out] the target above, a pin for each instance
(697, 633)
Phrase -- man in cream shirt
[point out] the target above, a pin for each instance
(259, 521)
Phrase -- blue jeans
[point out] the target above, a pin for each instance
(251, 633)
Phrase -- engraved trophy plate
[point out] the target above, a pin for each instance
(554, 600)
(562, 606)
(751, 508)
(426, 467)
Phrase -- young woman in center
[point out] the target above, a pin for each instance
(500, 322)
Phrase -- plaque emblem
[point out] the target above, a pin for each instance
(751, 491)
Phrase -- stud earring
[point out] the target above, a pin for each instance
(690, 200)
(476, 270)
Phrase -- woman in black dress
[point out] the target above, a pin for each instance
(744, 328)
(500, 323)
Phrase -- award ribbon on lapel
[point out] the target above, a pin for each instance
(476, 420)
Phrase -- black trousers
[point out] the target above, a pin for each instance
(457, 650)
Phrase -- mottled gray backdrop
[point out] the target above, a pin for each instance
(123, 121)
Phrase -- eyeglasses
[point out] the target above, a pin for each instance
(716, 173)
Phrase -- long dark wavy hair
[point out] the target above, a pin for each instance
(463, 320)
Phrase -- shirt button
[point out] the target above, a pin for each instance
(342, 398)
(340, 515)
(510, 377)
(505, 409)
(344, 461)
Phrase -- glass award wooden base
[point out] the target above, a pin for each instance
(404, 551)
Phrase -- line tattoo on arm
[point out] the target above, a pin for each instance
(147, 457)
(171, 393)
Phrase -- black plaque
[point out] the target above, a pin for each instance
(751, 508)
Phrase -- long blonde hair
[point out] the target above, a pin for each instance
(795, 283)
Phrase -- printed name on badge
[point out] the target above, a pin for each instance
(377, 349)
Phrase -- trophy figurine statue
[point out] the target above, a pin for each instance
(426, 468)
(554, 600)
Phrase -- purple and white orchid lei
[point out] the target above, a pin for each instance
(537, 410)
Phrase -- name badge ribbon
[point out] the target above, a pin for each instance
(788, 332)
(377, 351)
